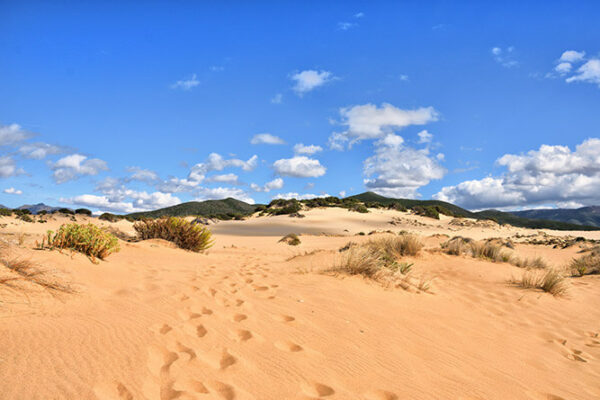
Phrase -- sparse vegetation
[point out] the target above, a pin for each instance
(291, 238)
(5, 212)
(110, 217)
(550, 281)
(83, 211)
(587, 264)
(87, 239)
(535, 262)
(359, 208)
(183, 233)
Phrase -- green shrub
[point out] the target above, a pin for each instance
(67, 211)
(586, 265)
(427, 211)
(5, 212)
(25, 217)
(87, 239)
(291, 238)
(183, 233)
(42, 212)
(360, 208)
(83, 211)
(110, 217)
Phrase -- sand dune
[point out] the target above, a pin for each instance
(256, 319)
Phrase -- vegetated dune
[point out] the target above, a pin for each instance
(253, 318)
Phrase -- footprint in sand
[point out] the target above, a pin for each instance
(239, 317)
(242, 335)
(219, 359)
(160, 360)
(316, 389)
(379, 394)
(223, 390)
(186, 350)
(287, 345)
(284, 318)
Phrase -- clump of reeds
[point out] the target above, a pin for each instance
(183, 233)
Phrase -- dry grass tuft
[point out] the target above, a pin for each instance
(536, 262)
(183, 233)
(587, 264)
(394, 247)
(550, 281)
(291, 238)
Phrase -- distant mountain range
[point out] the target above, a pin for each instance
(36, 208)
(582, 216)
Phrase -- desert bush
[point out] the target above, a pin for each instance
(283, 207)
(457, 245)
(110, 217)
(487, 250)
(83, 211)
(67, 211)
(396, 246)
(42, 212)
(183, 233)
(359, 208)
(25, 217)
(426, 211)
(87, 239)
(396, 206)
(5, 212)
(550, 281)
(587, 264)
(291, 238)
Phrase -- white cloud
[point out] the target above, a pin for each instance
(8, 167)
(371, 122)
(359, 15)
(75, 165)
(300, 167)
(277, 99)
(142, 175)
(572, 56)
(266, 138)
(13, 133)
(136, 201)
(425, 137)
(223, 193)
(563, 68)
(403, 77)
(232, 179)
(342, 193)
(588, 72)
(344, 26)
(276, 183)
(551, 174)
(505, 57)
(186, 84)
(399, 171)
(298, 196)
(309, 149)
(39, 150)
(309, 80)
(12, 190)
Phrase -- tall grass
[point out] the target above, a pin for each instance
(587, 264)
(87, 239)
(550, 281)
(183, 233)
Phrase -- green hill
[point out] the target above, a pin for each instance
(583, 216)
(498, 216)
(206, 208)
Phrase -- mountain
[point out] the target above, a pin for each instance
(498, 216)
(583, 216)
(201, 208)
(36, 208)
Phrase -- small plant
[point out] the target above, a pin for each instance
(183, 233)
(83, 211)
(66, 211)
(5, 212)
(550, 281)
(87, 239)
(25, 218)
(359, 208)
(291, 238)
(586, 265)
(536, 262)
(359, 261)
(426, 211)
(110, 217)
(403, 267)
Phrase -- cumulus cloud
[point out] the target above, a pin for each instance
(125, 201)
(309, 80)
(309, 150)
(371, 122)
(13, 133)
(186, 84)
(142, 175)
(76, 165)
(9, 168)
(232, 179)
(276, 183)
(396, 170)
(425, 137)
(588, 72)
(219, 193)
(505, 57)
(39, 150)
(571, 56)
(12, 190)
(298, 196)
(300, 167)
(549, 175)
(266, 138)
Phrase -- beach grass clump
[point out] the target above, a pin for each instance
(530, 263)
(291, 238)
(391, 248)
(587, 264)
(184, 234)
(17, 271)
(487, 250)
(87, 239)
(550, 281)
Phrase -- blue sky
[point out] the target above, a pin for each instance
(129, 106)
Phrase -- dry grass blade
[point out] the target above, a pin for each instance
(26, 271)
(586, 265)
(183, 233)
(291, 238)
(550, 281)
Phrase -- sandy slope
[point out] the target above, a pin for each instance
(254, 319)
